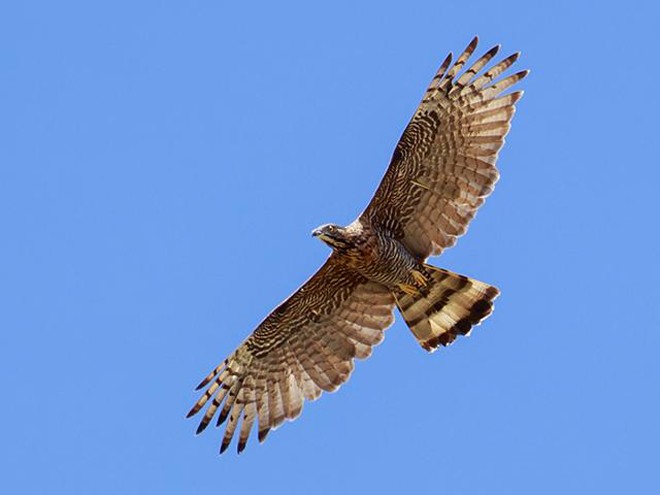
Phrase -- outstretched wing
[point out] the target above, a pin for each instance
(443, 167)
(305, 346)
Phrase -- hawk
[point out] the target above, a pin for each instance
(442, 170)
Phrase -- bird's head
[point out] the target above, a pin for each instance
(334, 236)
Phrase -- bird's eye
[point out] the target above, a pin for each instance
(331, 228)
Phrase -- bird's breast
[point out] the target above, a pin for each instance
(381, 259)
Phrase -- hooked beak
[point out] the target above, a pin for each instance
(320, 234)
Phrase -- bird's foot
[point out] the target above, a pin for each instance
(411, 290)
(419, 278)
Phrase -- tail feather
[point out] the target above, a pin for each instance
(449, 306)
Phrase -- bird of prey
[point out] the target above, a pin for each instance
(441, 171)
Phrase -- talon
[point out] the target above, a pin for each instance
(419, 278)
(409, 289)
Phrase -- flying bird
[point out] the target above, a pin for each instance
(442, 170)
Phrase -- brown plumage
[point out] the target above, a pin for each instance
(442, 170)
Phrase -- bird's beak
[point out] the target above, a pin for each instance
(316, 232)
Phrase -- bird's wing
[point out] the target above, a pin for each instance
(444, 164)
(305, 346)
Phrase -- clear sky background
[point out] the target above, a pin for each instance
(162, 165)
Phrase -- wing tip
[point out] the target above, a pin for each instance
(510, 60)
(241, 446)
(446, 62)
(493, 51)
(224, 445)
(194, 410)
(263, 434)
(223, 416)
(470, 48)
(519, 76)
(516, 96)
(202, 426)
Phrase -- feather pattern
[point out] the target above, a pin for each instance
(306, 346)
(441, 171)
(444, 165)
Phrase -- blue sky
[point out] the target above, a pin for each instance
(161, 168)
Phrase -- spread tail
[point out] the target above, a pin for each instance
(449, 305)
